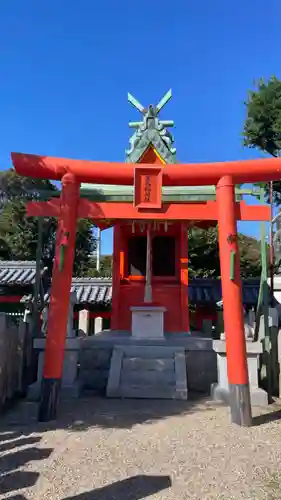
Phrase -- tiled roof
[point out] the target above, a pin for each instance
(209, 290)
(93, 290)
(17, 272)
(98, 291)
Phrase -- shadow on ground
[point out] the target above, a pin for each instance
(91, 411)
(17, 450)
(266, 418)
(132, 488)
(20, 435)
(125, 414)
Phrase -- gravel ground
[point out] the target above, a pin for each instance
(128, 450)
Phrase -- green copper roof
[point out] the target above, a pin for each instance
(151, 131)
(105, 192)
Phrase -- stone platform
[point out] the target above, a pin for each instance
(96, 353)
(91, 363)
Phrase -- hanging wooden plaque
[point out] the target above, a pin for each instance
(148, 187)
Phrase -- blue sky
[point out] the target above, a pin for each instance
(66, 68)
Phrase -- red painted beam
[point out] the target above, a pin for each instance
(49, 208)
(46, 167)
(173, 211)
(252, 212)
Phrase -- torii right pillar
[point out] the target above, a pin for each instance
(237, 368)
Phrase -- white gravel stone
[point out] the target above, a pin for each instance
(97, 443)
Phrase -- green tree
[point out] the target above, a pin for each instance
(262, 127)
(203, 253)
(19, 234)
(204, 259)
(250, 256)
(106, 263)
(85, 246)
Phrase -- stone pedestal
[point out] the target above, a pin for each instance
(70, 368)
(220, 390)
(148, 322)
(83, 322)
(70, 332)
(277, 292)
(98, 325)
(275, 350)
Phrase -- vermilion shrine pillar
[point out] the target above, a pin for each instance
(59, 303)
(184, 276)
(118, 273)
(237, 368)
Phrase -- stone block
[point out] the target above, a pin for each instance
(148, 322)
(70, 382)
(148, 364)
(143, 377)
(113, 385)
(98, 325)
(258, 396)
(149, 351)
(83, 321)
(201, 370)
(148, 392)
(220, 390)
(180, 375)
(94, 379)
(95, 358)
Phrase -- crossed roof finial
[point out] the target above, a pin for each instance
(152, 111)
(150, 130)
(157, 108)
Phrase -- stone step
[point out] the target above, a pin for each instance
(149, 351)
(148, 364)
(147, 392)
(147, 372)
(148, 376)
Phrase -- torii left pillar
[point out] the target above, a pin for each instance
(60, 294)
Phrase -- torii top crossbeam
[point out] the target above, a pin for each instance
(46, 167)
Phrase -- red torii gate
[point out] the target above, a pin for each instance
(226, 210)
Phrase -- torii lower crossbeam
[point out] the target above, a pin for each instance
(173, 211)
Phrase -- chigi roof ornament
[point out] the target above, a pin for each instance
(151, 132)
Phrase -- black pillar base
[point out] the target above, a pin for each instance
(49, 399)
(240, 404)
